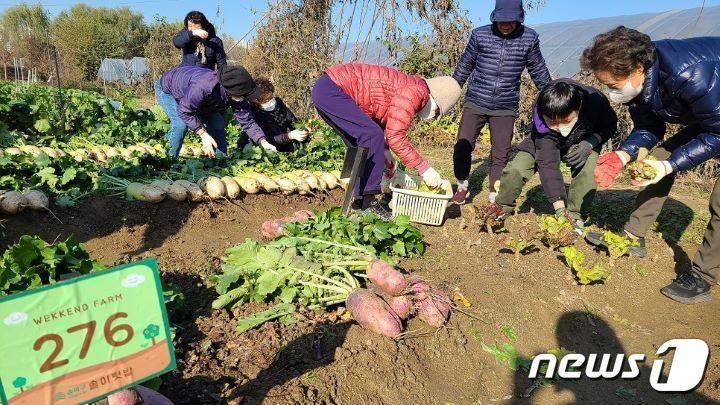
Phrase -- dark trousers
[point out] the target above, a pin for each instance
(501, 134)
(355, 128)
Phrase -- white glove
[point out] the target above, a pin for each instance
(268, 146)
(208, 144)
(298, 135)
(662, 170)
(200, 33)
(432, 178)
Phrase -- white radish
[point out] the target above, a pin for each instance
(12, 202)
(232, 188)
(267, 184)
(164, 185)
(195, 193)
(145, 192)
(13, 151)
(111, 152)
(37, 200)
(286, 186)
(302, 186)
(31, 149)
(330, 180)
(213, 187)
(178, 192)
(52, 153)
(248, 185)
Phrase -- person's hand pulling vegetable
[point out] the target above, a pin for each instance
(208, 143)
(431, 178)
(268, 146)
(200, 33)
(578, 154)
(298, 135)
(609, 167)
(662, 170)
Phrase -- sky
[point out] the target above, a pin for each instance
(236, 16)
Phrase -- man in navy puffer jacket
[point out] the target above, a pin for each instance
(493, 62)
(667, 81)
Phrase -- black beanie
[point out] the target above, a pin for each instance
(236, 80)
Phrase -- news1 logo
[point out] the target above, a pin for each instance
(685, 373)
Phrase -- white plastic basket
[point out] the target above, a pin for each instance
(424, 208)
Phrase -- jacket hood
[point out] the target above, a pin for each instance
(508, 10)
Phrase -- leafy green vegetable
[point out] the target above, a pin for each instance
(252, 321)
(509, 332)
(32, 262)
(383, 239)
(617, 245)
(174, 298)
(506, 354)
(557, 232)
(575, 259)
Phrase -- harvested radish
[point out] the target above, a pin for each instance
(330, 180)
(177, 192)
(195, 194)
(372, 313)
(37, 200)
(247, 184)
(145, 192)
(402, 306)
(265, 182)
(429, 313)
(31, 149)
(286, 186)
(301, 185)
(52, 153)
(163, 185)
(272, 229)
(303, 215)
(111, 152)
(13, 151)
(386, 278)
(213, 187)
(12, 202)
(232, 189)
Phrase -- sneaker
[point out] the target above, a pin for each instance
(377, 209)
(596, 239)
(460, 196)
(688, 288)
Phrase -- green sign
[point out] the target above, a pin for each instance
(81, 339)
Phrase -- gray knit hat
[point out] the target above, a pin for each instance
(445, 91)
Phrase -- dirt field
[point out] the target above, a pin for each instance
(535, 297)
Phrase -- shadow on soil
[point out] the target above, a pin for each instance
(304, 354)
(585, 333)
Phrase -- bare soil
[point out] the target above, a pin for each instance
(276, 364)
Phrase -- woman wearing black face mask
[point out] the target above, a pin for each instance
(667, 81)
(199, 44)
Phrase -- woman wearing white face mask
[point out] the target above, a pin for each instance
(667, 81)
(570, 123)
(276, 120)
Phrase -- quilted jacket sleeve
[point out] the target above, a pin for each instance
(244, 117)
(182, 38)
(536, 66)
(648, 130)
(467, 61)
(402, 109)
(220, 56)
(699, 87)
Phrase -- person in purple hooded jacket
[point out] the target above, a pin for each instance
(194, 98)
(492, 63)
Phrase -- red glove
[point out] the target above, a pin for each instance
(608, 168)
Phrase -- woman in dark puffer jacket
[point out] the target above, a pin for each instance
(199, 44)
(667, 81)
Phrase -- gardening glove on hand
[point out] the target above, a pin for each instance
(390, 165)
(431, 178)
(662, 170)
(208, 144)
(608, 168)
(200, 33)
(578, 154)
(298, 135)
(268, 146)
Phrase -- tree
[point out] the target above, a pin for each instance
(86, 35)
(151, 332)
(24, 35)
(19, 383)
(159, 49)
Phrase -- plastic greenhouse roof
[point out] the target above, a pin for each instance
(563, 42)
(127, 71)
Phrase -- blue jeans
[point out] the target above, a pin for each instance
(214, 123)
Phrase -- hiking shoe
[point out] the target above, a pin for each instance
(596, 239)
(460, 196)
(688, 288)
(377, 209)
